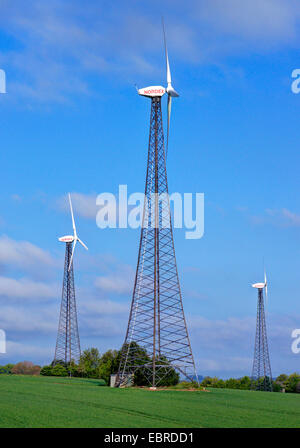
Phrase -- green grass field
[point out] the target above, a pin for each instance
(62, 402)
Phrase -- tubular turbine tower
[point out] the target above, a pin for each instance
(68, 343)
(157, 338)
(261, 372)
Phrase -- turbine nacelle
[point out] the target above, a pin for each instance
(66, 239)
(259, 285)
(152, 91)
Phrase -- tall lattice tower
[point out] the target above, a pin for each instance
(68, 343)
(261, 372)
(157, 338)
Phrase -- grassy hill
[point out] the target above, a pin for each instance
(74, 402)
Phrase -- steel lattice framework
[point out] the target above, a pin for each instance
(68, 343)
(156, 321)
(261, 372)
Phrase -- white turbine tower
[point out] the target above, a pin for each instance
(72, 238)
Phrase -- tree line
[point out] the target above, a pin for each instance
(101, 367)
(92, 365)
(283, 383)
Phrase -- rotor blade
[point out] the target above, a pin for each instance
(167, 58)
(73, 222)
(169, 119)
(265, 278)
(71, 259)
(82, 243)
(266, 287)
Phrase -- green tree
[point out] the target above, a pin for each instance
(74, 369)
(232, 383)
(46, 371)
(291, 383)
(169, 376)
(220, 384)
(108, 365)
(282, 378)
(245, 383)
(7, 369)
(60, 362)
(138, 356)
(59, 370)
(280, 383)
(209, 381)
(277, 387)
(89, 362)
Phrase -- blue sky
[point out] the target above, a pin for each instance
(71, 121)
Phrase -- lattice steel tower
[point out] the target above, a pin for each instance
(68, 343)
(261, 372)
(156, 322)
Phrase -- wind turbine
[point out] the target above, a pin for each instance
(159, 91)
(261, 371)
(156, 324)
(68, 342)
(72, 238)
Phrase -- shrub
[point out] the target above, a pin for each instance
(277, 387)
(26, 368)
(209, 382)
(7, 369)
(59, 370)
(245, 383)
(46, 371)
(220, 384)
(89, 363)
(282, 379)
(292, 381)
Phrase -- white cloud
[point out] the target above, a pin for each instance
(260, 20)
(26, 352)
(24, 320)
(61, 44)
(23, 254)
(104, 307)
(286, 217)
(119, 279)
(83, 204)
(27, 289)
(218, 334)
(104, 326)
(225, 365)
(114, 284)
(225, 347)
(16, 197)
(277, 217)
